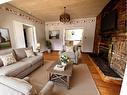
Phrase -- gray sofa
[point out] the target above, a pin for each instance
(23, 66)
(16, 86)
(10, 85)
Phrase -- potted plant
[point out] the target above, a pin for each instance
(49, 45)
(64, 59)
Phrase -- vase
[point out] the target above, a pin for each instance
(49, 50)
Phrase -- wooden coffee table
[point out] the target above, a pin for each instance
(61, 78)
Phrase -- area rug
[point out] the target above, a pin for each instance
(81, 81)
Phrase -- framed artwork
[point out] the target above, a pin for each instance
(54, 34)
(4, 39)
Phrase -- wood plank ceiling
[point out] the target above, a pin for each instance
(49, 10)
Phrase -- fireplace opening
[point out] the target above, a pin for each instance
(103, 52)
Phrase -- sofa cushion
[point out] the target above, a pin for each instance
(32, 60)
(3, 52)
(17, 84)
(6, 51)
(14, 69)
(8, 59)
(20, 53)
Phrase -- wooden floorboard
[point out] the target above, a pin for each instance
(103, 87)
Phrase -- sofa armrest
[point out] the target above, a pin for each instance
(5, 90)
(48, 89)
(18, 84)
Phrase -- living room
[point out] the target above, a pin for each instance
(91, 34)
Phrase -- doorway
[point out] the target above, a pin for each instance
(74, 35)
(28, 36)
(24, 35)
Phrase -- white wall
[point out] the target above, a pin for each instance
(88, 24)
(6, 21)
(18, 35)
(124, 84)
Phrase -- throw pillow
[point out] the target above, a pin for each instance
(29, 53)
(20, 53)
(8, 59)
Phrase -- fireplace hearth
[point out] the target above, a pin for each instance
(104, 65)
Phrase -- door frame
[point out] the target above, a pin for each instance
(68, 28)
(34, 33)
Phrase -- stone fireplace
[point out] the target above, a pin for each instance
(113, 52)
(119, 54)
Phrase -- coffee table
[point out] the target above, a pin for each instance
(61, 78)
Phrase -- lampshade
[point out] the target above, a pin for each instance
(38, 45)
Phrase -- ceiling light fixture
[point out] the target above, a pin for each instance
(4, 1)
(65, 17)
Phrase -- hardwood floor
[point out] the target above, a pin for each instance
(103, 87)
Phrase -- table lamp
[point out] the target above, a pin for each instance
(38, 47)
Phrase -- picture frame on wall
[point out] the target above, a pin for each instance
(54, 34)
(4, 39)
